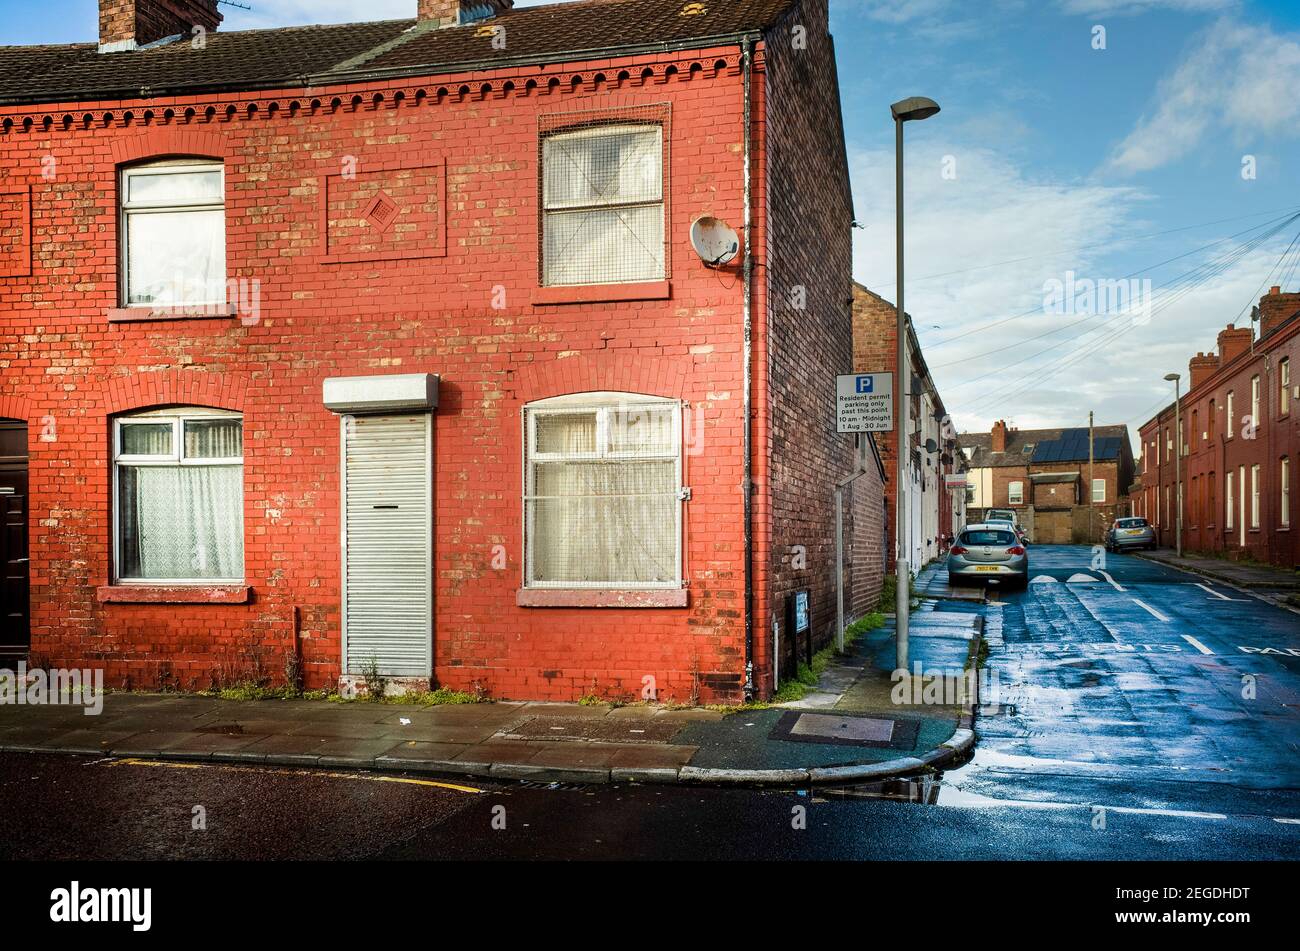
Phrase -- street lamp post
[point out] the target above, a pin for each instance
(906, 110)
(1178, 463)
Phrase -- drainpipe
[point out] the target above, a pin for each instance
(746, 50)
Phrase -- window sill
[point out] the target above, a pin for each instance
(600, 598)
(174, 594)
(121, 315)
(602, 293)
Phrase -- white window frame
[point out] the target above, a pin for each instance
(1254, 496)
(611, 128)
(1227, 432)
(1284, 393)
(1255, 421)
(178, 418)
(603, 404)
(1099, 484)
(126, 209)
(1229, 500)
(1015, 493)
(1284, 482)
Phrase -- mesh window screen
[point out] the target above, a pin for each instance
(601, 500)
(603, 185)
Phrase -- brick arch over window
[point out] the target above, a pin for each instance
(13, 406)
(163, 142)
(621, 372)
(175, 388)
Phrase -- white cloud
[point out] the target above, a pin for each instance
(995, 212)
(1238, 79)
(1133, 7)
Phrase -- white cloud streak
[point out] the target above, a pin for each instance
(1238, 79)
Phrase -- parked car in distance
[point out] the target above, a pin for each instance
(990, 551)
(1130, 533)
(1007, 517)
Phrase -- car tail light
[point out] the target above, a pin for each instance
(1015, 550)
(956, 550)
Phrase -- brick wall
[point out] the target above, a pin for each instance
(67, 369)
(808, 273)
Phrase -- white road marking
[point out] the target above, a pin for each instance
(1115, 584)
(1221, 597)
(1182, 813)
(1080, 578)
(1197, 644)
(1043, 579)
(1148, 607)
(1288, 822)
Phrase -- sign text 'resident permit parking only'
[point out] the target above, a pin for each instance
(864, 403)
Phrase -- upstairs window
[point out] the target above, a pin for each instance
(1099, 490)
(1254, 402)
(179, 489)
(173, 235)
(1227, 429)
(1284, 393)
(1015, 493)
(602, 492)
(603, 205)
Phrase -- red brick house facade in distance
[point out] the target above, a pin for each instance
(431, 420)
(1240, 440)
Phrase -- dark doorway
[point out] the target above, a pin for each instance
(15, 596)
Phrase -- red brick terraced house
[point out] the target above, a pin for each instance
(387, 348)
(1240, 442)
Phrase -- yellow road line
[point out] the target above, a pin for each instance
(231, 767)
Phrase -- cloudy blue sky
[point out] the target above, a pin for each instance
(1050, 156)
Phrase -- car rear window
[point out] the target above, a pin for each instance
(989, 536)
(1132, 523)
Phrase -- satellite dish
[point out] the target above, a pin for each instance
(714, 242)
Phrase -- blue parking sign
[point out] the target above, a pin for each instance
(864, 384)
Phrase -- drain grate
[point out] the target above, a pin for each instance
(846, 730)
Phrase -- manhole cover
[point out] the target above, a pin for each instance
(594, 729)
(847, 730)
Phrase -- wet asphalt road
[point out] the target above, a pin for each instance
(1124, 730)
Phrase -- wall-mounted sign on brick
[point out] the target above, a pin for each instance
(384, 213)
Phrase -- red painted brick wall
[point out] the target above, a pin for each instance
(67, 369)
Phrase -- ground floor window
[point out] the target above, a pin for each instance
(179, 496)
(602, 492)
(1284, 481)
(1254, 496)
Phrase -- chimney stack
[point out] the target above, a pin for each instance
(1200, 368)
(998, 438)
(127, 24)
(1275, 308)
(1233, 342)
(454, 12)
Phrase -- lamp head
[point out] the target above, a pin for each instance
(1172, 377)
(914, 107)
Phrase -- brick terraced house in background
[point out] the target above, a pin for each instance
(1062, 491)
(1240, 440)
(935, 510)
(386, 346)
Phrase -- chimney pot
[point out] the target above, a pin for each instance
(998, 437)
(1275, 308)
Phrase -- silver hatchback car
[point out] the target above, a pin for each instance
(989, 551)
(1130, 533)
